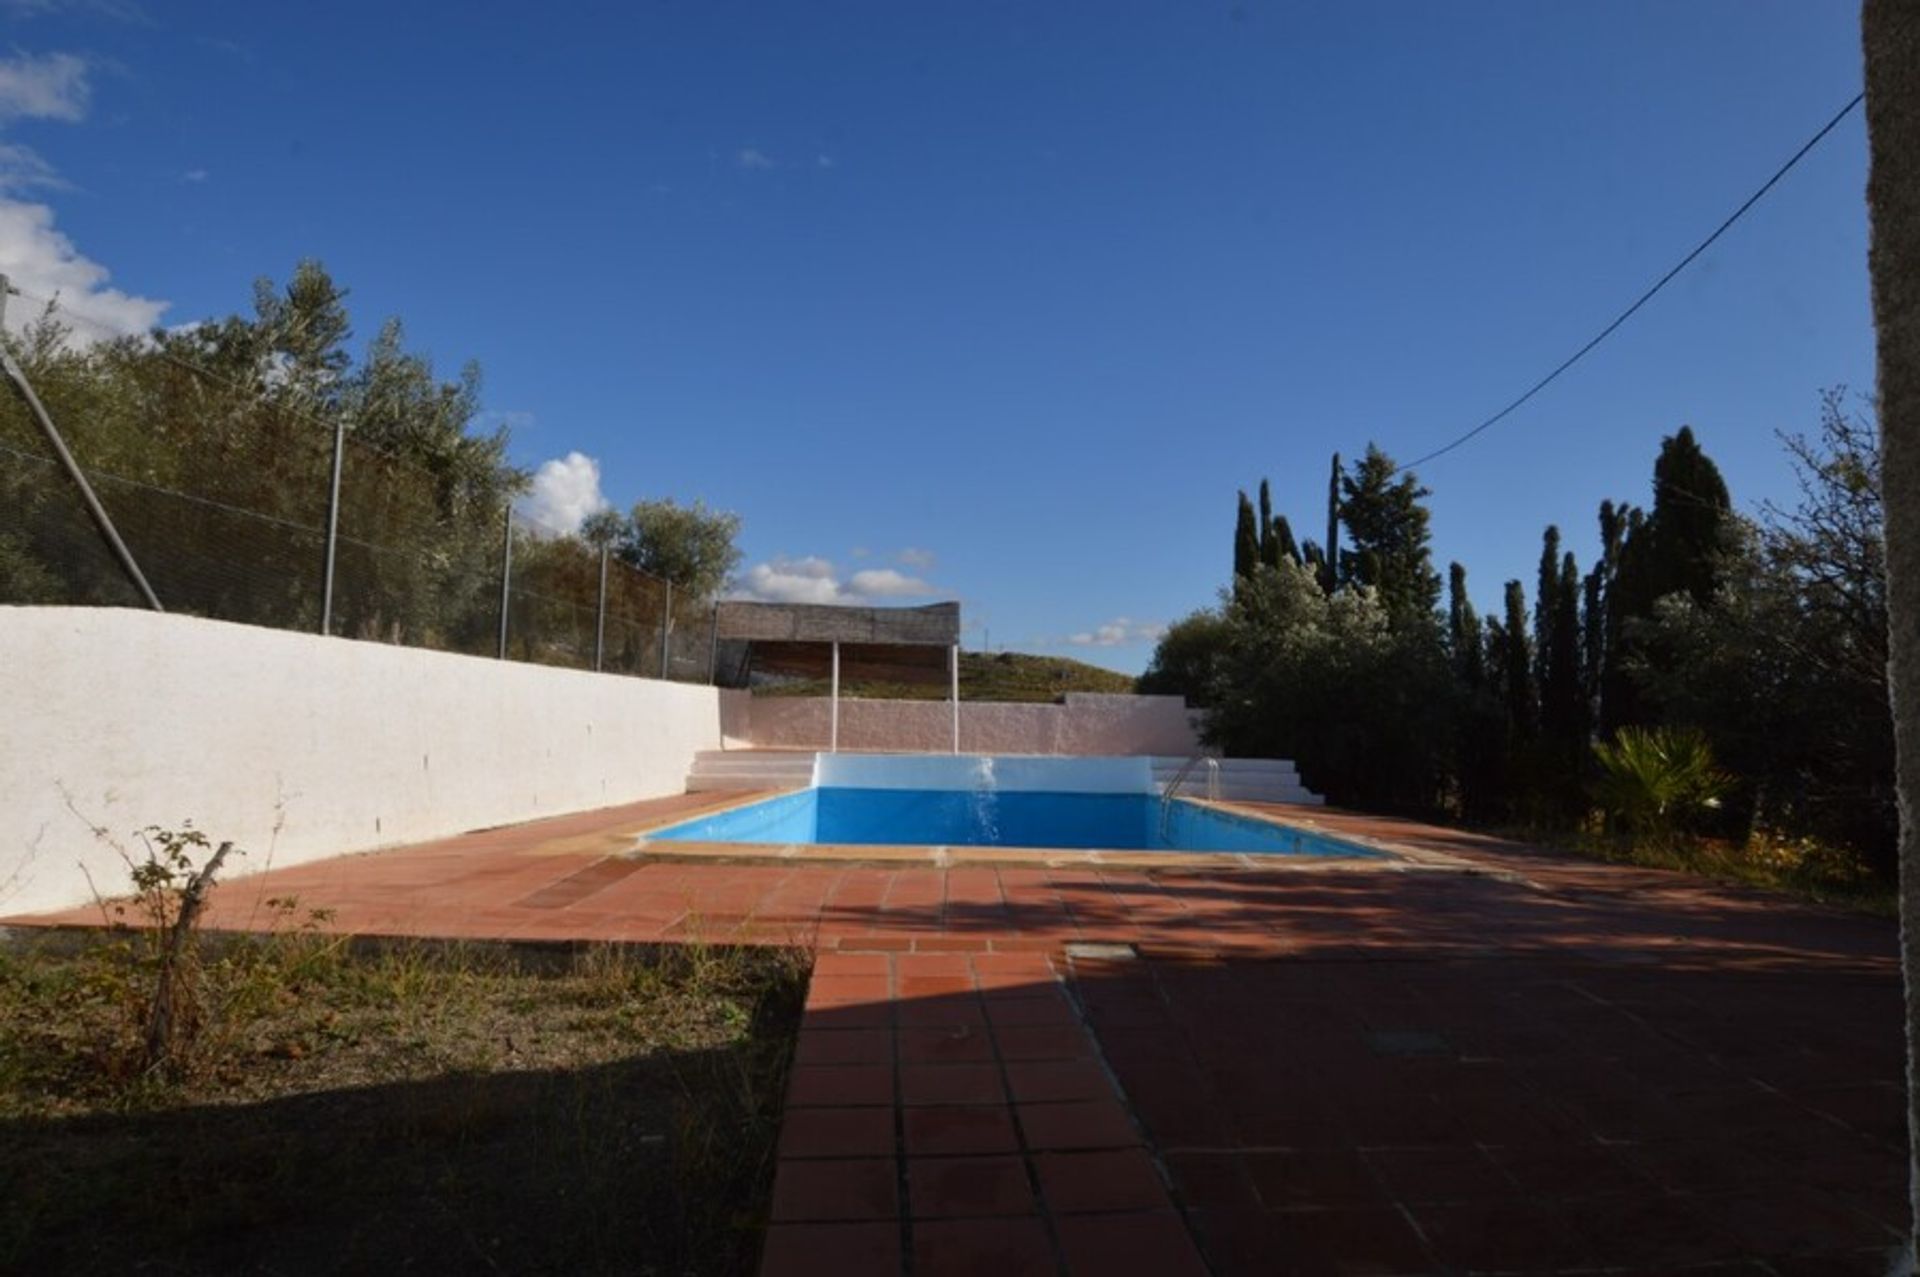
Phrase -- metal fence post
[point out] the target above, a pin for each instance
(713, 644)
(333, 526)
(600, 625)
(101, 520)
(666, 631)
(953, 668)
(506, 580)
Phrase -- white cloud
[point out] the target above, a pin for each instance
(43, 263)
(813, 579)
(194, 175)
(51, 86)
(752, 157)
(782, 580)
(124, 10)
(36, 258)
(1120, 630)
(919, 560)
(21, 168)
(885, 583)
(565, 491)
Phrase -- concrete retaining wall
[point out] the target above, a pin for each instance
(123, 719)
(1088, 723)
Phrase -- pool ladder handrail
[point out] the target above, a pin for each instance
(1172, 790)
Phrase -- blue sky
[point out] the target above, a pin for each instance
(999, 300)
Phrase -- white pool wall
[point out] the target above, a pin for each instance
(1005, 772)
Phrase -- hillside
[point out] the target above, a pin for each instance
(996, 676)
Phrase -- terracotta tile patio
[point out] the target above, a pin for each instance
(1482, 1059)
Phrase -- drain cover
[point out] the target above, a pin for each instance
(1101, 949)
(1408, 1043)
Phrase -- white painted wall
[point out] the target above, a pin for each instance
(982, 771)
(142, 719)
(1088, 723)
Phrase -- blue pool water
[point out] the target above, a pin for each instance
(1014, 818)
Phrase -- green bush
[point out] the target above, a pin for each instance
(1654, 782)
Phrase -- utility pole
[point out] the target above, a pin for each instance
(600, 625)
(506, 579)
(333, 525)
(666, 631)
(713, 643)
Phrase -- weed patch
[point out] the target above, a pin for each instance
(349, 1106)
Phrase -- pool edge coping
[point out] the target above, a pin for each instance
(1380, 855)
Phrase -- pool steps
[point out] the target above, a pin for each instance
(1272, 780)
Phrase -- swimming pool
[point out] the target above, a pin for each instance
(985, 817)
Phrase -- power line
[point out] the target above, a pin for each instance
(1648, 296)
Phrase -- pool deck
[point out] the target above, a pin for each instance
(1476, 1057)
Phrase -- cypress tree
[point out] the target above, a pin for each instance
(1512, 666)
(1283, 543)
(1330, 550)
(1517, 667)
(1380, 506)
(1561, 718)
(1315, 558)
(1488, 750)
(1464, 639)
(1594, 635)
(1629, 596)
(1690, 515)
(1567, 623)
(1546, 588)
(1246, 542)
(1479, 748)
(1269, 549)
(1677, 548)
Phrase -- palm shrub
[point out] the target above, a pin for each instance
(1653, 781)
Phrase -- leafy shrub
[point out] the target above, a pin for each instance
(1655, 781)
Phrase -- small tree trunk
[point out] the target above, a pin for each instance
(162, 1021)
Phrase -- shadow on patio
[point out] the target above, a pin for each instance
(1305, 1116)
(1329, 913)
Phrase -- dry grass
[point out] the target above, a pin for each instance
(355, 1107)
(1802, 868)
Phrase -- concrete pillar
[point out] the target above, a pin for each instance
(1890, 34)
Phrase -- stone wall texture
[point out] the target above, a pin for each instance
(1086, 723)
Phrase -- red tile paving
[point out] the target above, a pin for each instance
(959, 1187)
(1009, 1247)
(1484, 1058)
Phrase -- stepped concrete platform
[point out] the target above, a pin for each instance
(1261, 780)
(737, 770)
(1269, 780)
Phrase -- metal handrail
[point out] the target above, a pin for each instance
(1172, 790)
